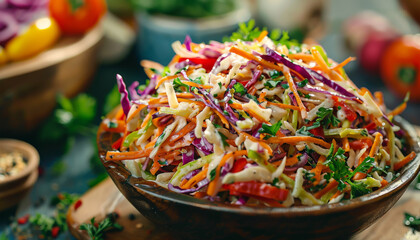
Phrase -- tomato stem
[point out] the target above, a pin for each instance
(407, 74)
(76, 4)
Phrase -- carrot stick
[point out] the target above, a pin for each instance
(262, 36)
(320, 61)
(295, 93)
(404, 161)
(346, 144)
(120, 114)
(155, 167)
(286, 106)
(327, 188)
(375, 144)
(180, 95)
(384, 182)
(398, 110)
(211, 190)
(295, 139)
(240, 153)
(164, 79)
(343, 63)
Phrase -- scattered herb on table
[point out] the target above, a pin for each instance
(97, 230)
(412, 222)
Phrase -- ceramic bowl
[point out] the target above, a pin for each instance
(14, 188)
(199, 219)
(28, 88)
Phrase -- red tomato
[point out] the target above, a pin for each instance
(206, 63)
(350, 114)
(239, 165)
(319, 132)
(400, 66)
(258, 189)
(76, 17)
(361, 143)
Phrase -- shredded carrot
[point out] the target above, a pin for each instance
(318, 169)
(223, 119)
(360, 175)
(383, 182)
(303, 56)
(155, 167)
(184, 131)
(346, 144)
(285, 106)
(404, 161)
(120, 114)
(261, 98)
(197, 178)
(375, 144)
(332, 184)
(336, 194)
(193, 84)
(240, 153)
(118, 156)
(132, 114)
(379, 97)
(343, 63)
(320, 61)
(147, 118)
(211, 190)
(398, 110)
(183, 182)
(289, 161)
(292, 87)
(237, 106)
(180, 95)
(295, 139)
(262, 35)
(262, 143)
(164, 79)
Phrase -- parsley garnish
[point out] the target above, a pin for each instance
(98, 232)
(212, 174)
(223, 137)
(178, 85)
(342, 174)
(270, 130)
(239, 88)
(303, 83)
(326, 117)
(412, 222)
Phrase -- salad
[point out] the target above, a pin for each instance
(259, 121)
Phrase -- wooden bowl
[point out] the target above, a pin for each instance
(197, 217)
(28, 88)
(14, 188)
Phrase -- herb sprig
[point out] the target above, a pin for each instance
(97, 230)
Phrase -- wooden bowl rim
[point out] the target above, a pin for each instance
(408, 173)
(25, 186)
(27, 150)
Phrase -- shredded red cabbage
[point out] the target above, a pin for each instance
(188, 156)
(217, 63)
(303, 160)
(9, 27)
(203, 145)
(254, 79)
(125, 103)
(132, 89)
(200, 185)
(150, 89)
(187, 42)
(209, 52)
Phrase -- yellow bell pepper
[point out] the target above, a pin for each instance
(3, 57)
(42, 34)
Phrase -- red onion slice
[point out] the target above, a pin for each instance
(9, 27)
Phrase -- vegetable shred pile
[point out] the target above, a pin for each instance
(258, 120)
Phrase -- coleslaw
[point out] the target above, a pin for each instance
(257, 122)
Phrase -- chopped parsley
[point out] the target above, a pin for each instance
(239, 88)
(223, 137)
(178, 85)
(97, 230)
(303, 83)
(342, 174)
(212, 174)
(326, 117)
(270, 130)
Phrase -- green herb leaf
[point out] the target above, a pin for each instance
(239, 88)
(212, 174)
(326, 117)
(104, 226)
(223, 137)
(303, 83)
(412, 222)
(179, 86)
(270, 130)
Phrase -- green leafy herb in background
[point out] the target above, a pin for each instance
(97, 231)
(249, 32)
(412, 222)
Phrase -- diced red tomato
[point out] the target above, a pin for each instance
(371, 126)
(54, 231)
(206, 63)
(319, 132)
(361, 143)
(258, 189)
(117, 144)
(23, 220)
(350, 114)
(239, 165)
(77, 204)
